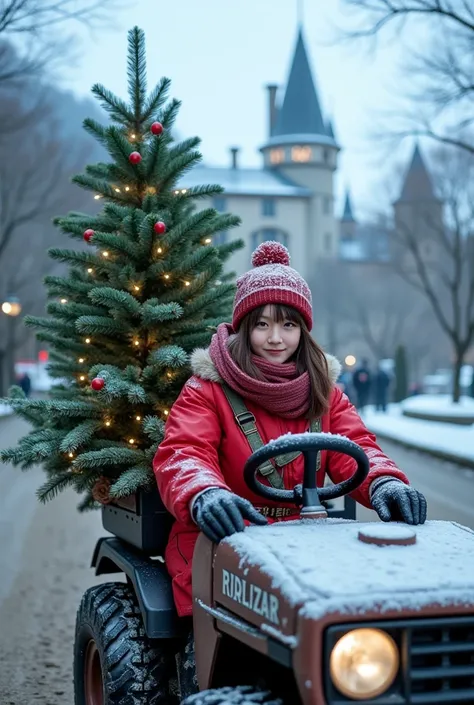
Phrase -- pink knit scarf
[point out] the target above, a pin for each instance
(283, 392)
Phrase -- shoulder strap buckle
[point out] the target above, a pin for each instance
(244, 419)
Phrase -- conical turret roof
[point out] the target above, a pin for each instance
(417, 185)
(300, 113)
(348, 216)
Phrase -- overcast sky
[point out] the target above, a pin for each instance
(220, 54)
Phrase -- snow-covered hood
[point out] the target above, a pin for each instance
(202, 366)
(324, 567)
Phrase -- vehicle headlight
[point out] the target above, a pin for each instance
(364, 663)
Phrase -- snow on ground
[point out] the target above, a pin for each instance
(439, 404)
(447, 438)
(5, 410)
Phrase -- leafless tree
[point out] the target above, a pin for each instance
(440, 264)
(331, 288)
(441, 83)
(35, 24)
(365, 306)
(35, 172)
(380, 311)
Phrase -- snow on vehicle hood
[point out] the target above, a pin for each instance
(324, 566)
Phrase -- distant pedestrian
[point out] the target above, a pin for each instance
(25, 384)
(361, 382)
(344, 383)
(381, 384)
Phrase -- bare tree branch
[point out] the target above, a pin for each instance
(32, 16)
(440, 72)
(384, 12)
(38, 21)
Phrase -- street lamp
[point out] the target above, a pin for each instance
(350, 360)
(11, 307)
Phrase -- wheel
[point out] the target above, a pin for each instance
(114, 661)
(242, 695)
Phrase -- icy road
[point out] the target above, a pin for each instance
(45, 554)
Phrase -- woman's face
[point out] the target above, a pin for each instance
(275, 342)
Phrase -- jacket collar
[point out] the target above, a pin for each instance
(203, 367)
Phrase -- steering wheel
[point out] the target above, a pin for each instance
(310, 444)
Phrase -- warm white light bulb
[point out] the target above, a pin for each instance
(137, 288)
(166, 412)
(136, 342)
(187, 283)
(131, 441)
(107, 423)
(208, 240)
(160, 250)
(64, 301)
(82, 378)
(88, 340)
(105, 253)
(127, 188)
(138, 418)
(90, 270)
(167, 276)
(81, 359)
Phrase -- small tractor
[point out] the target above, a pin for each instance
(322, 610)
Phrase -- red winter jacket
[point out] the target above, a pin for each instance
(203, 447)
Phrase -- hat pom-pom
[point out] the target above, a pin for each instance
(270, 252)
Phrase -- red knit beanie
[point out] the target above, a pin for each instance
(272, 281)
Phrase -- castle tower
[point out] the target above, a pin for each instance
(348, 222)
(301, 147)
(418, 209)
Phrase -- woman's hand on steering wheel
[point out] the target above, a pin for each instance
(220, 513)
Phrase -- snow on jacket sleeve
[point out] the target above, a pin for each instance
(345, 421)
(187, 461)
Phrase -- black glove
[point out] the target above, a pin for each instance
(220, 513)
(395, 501)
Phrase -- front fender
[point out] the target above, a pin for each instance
(150, 581)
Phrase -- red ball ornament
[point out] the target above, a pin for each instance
(97, 384)
(156, 128)
(159, 227)
(270, 252)
(88, 234)
(135, 158)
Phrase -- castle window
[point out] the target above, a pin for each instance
(259, 236)
(328, 243)
(277, 156)
(302, 153)
(327, 203)
(326, 156)
(268, 206)
(219, 203)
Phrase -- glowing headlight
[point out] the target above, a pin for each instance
(364, 663)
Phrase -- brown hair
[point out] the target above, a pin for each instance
(309, 357)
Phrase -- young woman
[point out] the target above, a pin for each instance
(266, 363)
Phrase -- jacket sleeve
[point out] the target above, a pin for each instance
(187, 460)
(345, 420)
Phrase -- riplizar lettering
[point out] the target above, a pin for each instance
(263, 603)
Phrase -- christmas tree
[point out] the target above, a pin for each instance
(137, 299)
